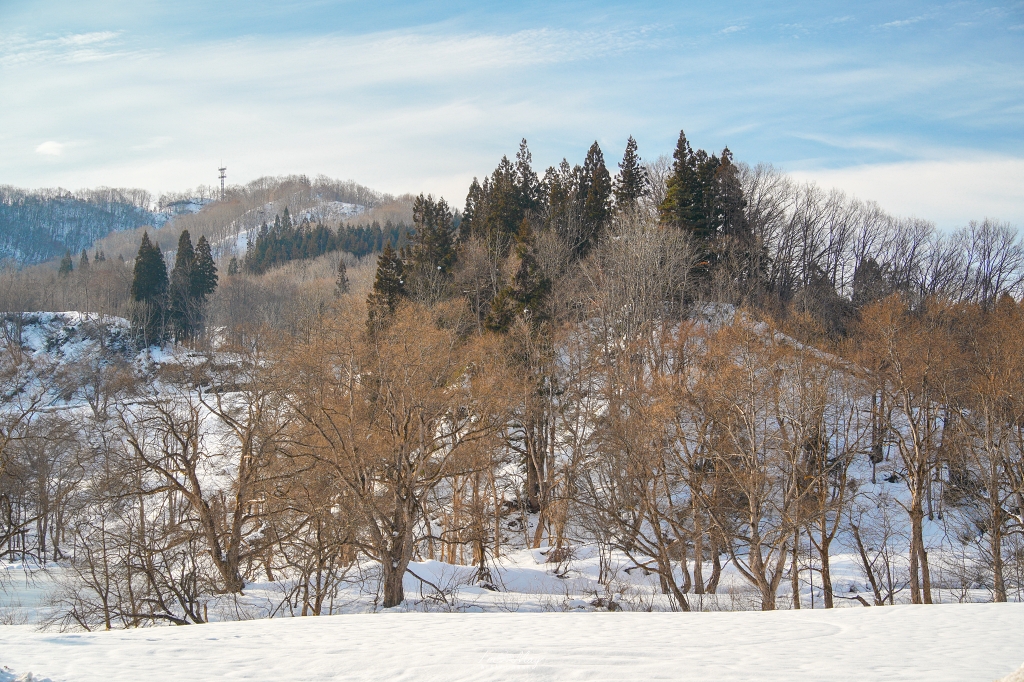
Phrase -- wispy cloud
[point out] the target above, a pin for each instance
(732, 29)
(50, 148)
(70, 48)
(901, 23)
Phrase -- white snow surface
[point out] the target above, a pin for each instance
(1015, 676)
(954, 642)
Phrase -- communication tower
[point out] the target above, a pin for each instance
(223, 176)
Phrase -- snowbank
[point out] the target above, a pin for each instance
(934, 643)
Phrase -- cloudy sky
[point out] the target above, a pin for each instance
(917, 105)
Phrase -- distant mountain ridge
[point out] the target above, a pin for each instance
(37, 225)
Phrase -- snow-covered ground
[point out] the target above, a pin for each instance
(955, 643)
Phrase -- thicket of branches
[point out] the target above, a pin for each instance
(693, 364)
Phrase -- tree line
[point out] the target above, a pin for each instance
(285, 241)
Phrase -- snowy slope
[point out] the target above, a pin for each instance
(935, 643)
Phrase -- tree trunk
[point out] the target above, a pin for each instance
(916, 517)
(998, 582)
(394, 591)
(795, 570)
(920, 577)
(826, 573)
(716, 568)
(698, 551)
(535, 460)
(879, 601)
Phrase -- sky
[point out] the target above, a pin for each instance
(916, 105)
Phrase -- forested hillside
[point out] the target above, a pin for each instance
(689, 384)
(42, 224)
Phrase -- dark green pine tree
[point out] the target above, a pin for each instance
(736, 243)
(504, 207)
(705, 223)
(679, 208)
(433, 244)
(67, 265)
(388, 289)
(560, 184)
(528, 184)
(474, 206)
(730, 204)
(233, 266)
(204, 272)
(870, 283)
(632, 182)
(182, 308)
(149, 290)
(524, 297)
(83, 261)
(495, 208)
(594, 197)
(341, 284)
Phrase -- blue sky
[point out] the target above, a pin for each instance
(919, 106)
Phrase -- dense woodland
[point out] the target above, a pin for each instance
(284, 241)
(40, 225)
(692, 362)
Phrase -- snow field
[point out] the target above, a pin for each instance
(929, 643)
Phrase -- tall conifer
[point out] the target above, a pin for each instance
(678, 207)
(182, 305)
(632, 182)
(204, 272)
(149, 289)
(67, 265)
(388, 289)
(341, 284)
(594, 192)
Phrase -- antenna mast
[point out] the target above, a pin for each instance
(223, 175)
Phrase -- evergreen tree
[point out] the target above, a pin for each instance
(495, 208)
(433, 245)
(182, 303)
(529, 187)
(561, 193)
(83, 261)
(99, 257)
(67, 266)
(341, 284)
(730, 204)
(870, 283)
(678, 208)
(504, 206)
(204, 272)
(388, 289)
(149, 289)
(594, 192)
(632, 182)
(233, 266)
(474, 199)
(193, 279)
(736, 242)
(526, 294)
(704, 218)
